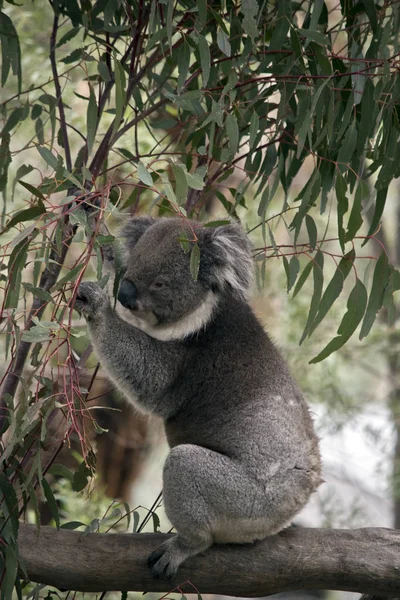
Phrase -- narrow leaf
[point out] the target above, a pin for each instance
(232, 131)
(26, 215)
(223, 42)
(68, 277)
(48, 157)
(318, 265)
(51, 501)
(334, 288)
(205, 59)
(195, 261)
(32, 189)
(355, 310)
(91, 120)
(143, 174)
(379, 282)
(181, 185)
(303, 278)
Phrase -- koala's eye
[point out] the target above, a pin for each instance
(159, 284)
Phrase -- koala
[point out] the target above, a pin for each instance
(244, 457)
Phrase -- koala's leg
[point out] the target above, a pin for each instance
(211, 498)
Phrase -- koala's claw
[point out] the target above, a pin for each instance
(162, 563)
(90, 299)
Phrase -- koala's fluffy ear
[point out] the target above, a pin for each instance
(225, 259)
(134, 229)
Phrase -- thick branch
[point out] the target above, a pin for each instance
(360, 560)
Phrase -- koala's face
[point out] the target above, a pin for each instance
(158, 284)
(158, 293)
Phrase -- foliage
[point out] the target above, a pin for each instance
(240, 101)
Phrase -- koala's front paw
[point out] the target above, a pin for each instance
(91, 299)
(90, 202)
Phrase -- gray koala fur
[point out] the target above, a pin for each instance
(244, 457)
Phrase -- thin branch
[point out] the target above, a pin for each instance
(360, 560)
(47, 280)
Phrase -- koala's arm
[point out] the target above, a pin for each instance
(140, 366)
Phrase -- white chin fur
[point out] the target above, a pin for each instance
(179, 330)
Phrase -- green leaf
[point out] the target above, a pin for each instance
(48, 157)
(136, 518)
(195, 261)
(144, 175)
(370, 9)
(70, 275)
(91, 120)
(32, 189)
(103, 71)
(170, 14)
(312, 231)
(11, 571)
(254, 128)
(51, 501)
(355, 310)
(68, 36)
(71, 525)
(315, 36)
(347, 149)
(61, 471)
(205, 59)
(355, 219)
(183, 64)
(10, 506)
(120, 96)
(13, 120)
(334, 288)
(74, 56)
(318, 265)
(249, 9)
(223, 42)
(303, 278)
(195, 180)
(10, 50)
(379, 282)
(294, 268)
(380, 202)
(342, 207)
(181, 184)
(81, 477)
(26, 215)
(38, 292)
(37, 334)
(21, 172)
(232, 131)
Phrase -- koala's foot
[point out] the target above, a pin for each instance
(165, 561)
(91, 299)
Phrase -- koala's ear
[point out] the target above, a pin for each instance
(134, 229)
(225, 259)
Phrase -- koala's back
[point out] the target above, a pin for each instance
(237, 397)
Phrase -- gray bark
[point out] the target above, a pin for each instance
(360, 560)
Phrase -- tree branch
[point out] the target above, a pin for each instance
(47, 280)
(360, 560)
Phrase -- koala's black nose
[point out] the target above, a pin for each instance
(127, 294)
